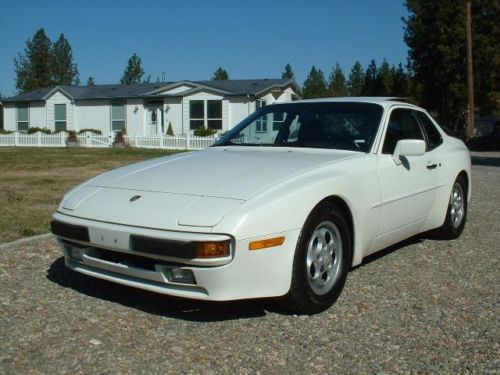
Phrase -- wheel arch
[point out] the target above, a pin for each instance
(346, 211)
(467, 180)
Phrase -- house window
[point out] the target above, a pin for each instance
(205, 113)
(278, 120)
(59, 117)
(117, 117)
(196, 114)
(261, 123)
(23, 118)
(214, 114)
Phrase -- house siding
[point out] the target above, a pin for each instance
(240, 107)
(59, 98)
(9, 117)
(93, 114)
(173, 114)
(177, 90)
(38, 115)
(135, 121)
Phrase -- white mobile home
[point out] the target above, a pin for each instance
(145, 109)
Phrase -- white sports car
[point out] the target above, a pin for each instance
(283, 205)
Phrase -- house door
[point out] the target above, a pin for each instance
(154, 120)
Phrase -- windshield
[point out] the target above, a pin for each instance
(334, 125)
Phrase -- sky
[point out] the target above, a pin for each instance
(190, 39)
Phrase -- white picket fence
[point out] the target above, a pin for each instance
(88, 139)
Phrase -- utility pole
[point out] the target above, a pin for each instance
(470, 76)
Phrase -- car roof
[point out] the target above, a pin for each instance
(384, 101)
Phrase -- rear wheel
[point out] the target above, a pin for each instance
(321, 262)
(457, 211)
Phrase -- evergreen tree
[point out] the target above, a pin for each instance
(435, 35)
(33, 68)
(91, 81)
(64, 70)
(220, 74)
(400, 83)
(288, 72)
(337, 85)
(356, 80)
(486, 51)
(315, 85)
(384, 81)
(133, 72)
(370, 83)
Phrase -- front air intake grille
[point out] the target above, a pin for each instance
(70, 231)
(177, 249)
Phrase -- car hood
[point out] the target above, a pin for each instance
(235, 173)
(193, 189)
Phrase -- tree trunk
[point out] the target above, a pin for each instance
(470, 76)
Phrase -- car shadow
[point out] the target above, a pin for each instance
(391, 249)
(488, 161)
(181, 308)
(159, 304)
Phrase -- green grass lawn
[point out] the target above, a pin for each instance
(33, 181)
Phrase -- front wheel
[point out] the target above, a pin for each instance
(322, 260)
(457, 211)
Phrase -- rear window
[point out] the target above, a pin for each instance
(433, 135)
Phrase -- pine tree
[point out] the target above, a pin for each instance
(370, 83)
(91, 81)
(435, 35)
(337, 85)
(220, 74)
(315, 85)
(64, 70)
(33, 68)
(486, 50)
(356, 80)
(133, 72)
(288, 72)
(384, 80)
(400, 84)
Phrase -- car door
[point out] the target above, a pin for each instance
(407, 190)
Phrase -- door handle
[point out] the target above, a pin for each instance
(432, 166)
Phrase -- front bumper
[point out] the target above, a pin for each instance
(244, 274)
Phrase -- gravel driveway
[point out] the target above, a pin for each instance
(424, 306)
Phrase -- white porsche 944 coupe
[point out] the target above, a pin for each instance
(283, 205)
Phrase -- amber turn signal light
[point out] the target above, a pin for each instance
(212, 249)
(263, 244)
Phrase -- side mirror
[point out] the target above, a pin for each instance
(408, 147)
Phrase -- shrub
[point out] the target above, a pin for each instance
(72, 136)
(4, 131)
(95, 131)
(119, 137)
(170, 131)
(37, 129)
(204, 132)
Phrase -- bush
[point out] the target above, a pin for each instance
(95, 131)
(72, 136)
(36, 129)
(3, 131)
(170, 131)
(119, 137)
(204, 132)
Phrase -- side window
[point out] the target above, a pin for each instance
(433, 136)
(402, 125)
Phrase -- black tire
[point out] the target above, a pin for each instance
(454, 223)
(311, 291)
